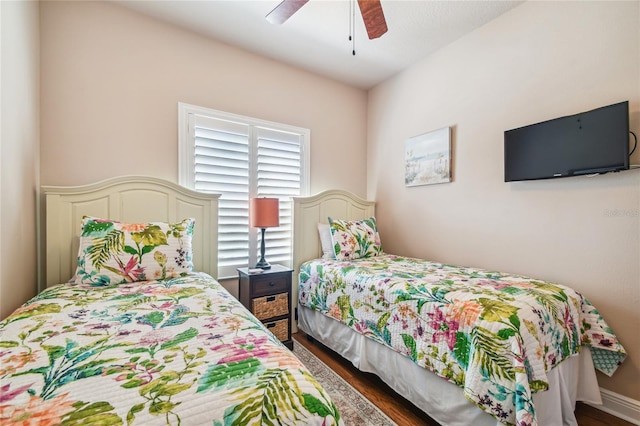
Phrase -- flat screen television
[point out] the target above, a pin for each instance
(590, 142)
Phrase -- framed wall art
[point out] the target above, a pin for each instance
(428, 158)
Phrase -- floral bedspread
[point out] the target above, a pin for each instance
(180, 351)
(495, 335)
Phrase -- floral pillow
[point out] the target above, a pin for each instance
(354, 239)
(115, 253)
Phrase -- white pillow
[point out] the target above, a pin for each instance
(325, 240)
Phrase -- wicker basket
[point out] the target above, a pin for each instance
(271, 306)
(279, 328)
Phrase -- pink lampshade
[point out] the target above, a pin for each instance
(265, 212)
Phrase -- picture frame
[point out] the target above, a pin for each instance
(428, 158)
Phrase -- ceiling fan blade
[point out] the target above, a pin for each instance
(284, 11)
(373, 17)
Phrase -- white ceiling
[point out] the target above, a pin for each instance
(316, 38)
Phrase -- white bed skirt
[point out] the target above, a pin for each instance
(573, 380)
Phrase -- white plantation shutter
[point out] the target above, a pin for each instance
(240, 158)
(221, 165)
(278, 172)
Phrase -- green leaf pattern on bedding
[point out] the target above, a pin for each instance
(180, 351)
(493, 334)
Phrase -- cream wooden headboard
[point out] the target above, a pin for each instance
(132, 199)
(308, 212)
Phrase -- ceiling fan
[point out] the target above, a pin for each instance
(371, 10)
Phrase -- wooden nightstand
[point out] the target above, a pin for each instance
(267, 295)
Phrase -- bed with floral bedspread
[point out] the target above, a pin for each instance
(492, 334)
(176, 351)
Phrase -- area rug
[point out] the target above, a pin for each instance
(354, 408)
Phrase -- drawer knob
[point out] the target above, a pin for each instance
(271, 283)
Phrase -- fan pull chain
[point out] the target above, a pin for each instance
(352, 26)
(350, 22)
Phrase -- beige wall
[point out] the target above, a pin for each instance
(539, 61)
(112, 80)
(19, 116)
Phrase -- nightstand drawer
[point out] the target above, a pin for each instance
(279, 328)
(269, 285)
(270, 306)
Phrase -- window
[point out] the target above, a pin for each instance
(241, 158)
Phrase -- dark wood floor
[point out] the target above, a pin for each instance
(403, 412)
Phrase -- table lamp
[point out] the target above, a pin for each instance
(265, 213)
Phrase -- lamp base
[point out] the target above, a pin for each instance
(263, 264)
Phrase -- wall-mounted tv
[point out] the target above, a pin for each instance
(590, 142)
